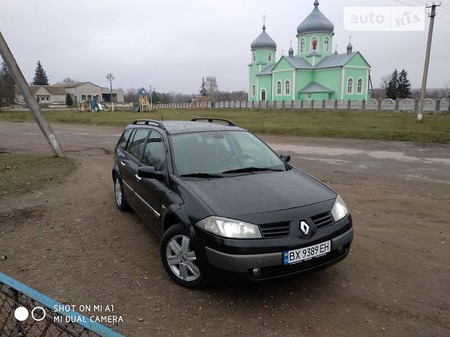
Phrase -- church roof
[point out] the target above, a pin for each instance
(314, 87)
(315, 22)
(264, 41)
(334, 60)
(331, 61)
(267, 70)
(298, 62)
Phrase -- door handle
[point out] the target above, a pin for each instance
(122, 163)
(137, 178)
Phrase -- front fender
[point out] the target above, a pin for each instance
(175, 210)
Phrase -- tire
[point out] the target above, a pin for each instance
(179, 259)
(119, 196)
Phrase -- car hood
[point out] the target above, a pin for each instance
(260, 192)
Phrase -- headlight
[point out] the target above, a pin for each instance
(339, 210)
(230, 228)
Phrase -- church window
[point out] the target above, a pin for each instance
(359, 86)
(254, 57)
(302, 45)
(314, 46)
(350, 85)
(287, 87)
(269, 57)
(253, 90)
(326, 44)
(278, 88)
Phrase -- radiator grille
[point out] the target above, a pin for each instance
(323, 219)
(275, 230)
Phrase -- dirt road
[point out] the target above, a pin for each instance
(71, 243)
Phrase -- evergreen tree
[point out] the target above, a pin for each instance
(392, 86)
(40, 76)
(203, 91)
(7, 89)
(404, 86)
(155, 97)
(69, 99)
(397, 85)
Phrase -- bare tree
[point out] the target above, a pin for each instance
(68, 80)
(385, 82)
(212, 88)
(447, 88)
(131, 95)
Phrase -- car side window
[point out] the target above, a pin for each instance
(155, 152)
(136, 146)
(124, 139)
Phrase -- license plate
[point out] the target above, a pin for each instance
(306, 253)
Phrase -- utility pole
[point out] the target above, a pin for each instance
(110, 77)
(427, 62)
(20, 81)
(151, 99)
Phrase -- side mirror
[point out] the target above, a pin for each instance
(285, 157)
(149, 172)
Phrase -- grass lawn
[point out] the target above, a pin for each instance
(400, 126)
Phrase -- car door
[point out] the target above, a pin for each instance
(130, 165)
(122, 158)
(153, 192)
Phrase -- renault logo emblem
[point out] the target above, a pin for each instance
(304, 227)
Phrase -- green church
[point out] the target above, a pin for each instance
(314, 73)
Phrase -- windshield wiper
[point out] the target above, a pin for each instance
(251, 169)
(202, 175)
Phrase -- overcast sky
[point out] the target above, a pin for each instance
(172, 44)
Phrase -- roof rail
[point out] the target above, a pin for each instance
(149, 122)
(213, 119)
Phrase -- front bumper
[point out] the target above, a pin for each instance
(243, 263)
(258, 265)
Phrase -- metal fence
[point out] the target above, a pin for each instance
(42, 320)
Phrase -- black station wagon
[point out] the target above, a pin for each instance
(225, 205)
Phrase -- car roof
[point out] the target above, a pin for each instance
(179, 127)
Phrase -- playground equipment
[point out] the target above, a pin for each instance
(144, 104)
(93, 105)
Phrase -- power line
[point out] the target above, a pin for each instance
(440, 17)
(405, 62)
(403, 3)
(447, 11)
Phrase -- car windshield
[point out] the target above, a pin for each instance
(203, 154)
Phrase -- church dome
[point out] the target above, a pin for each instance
(264, 41)
(315, 22)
